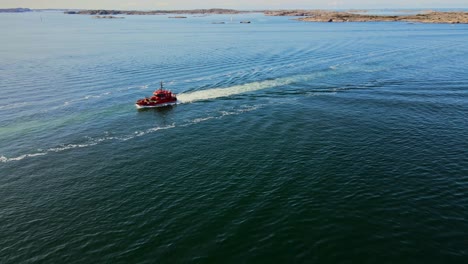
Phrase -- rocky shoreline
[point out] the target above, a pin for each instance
(350, 16)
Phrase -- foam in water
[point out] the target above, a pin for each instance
(96, 141)
(89, 143)
(13, 106)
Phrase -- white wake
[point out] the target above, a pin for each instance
(239, 89)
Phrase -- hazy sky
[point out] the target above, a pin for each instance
(239, 4)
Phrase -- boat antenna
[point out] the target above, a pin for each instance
(161, 85)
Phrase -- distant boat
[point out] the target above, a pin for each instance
(218, 22)
(245, 22)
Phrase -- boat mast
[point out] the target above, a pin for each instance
(161, 85)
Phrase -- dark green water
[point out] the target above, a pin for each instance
(293, 142)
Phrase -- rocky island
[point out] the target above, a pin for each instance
(352, 16)
(305, 15)
(156, 12)
(15, 10)
(108, 17)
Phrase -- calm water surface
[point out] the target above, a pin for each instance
(292, 142)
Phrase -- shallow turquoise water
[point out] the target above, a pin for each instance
(293, 142)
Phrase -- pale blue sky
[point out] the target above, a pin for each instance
(239, 4)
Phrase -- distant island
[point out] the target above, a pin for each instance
(156, 12)
(305, 15)
(108, 17)
(15, 10)
(352, 16)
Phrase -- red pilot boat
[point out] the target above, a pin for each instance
(160, 98)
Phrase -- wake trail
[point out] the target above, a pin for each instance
(243, 88)
(90, 142)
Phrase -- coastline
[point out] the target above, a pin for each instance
(439, 17)
(428, 16)
(435, 17)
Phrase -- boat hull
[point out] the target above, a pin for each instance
(155, 105)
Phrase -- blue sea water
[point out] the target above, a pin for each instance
(293, 142)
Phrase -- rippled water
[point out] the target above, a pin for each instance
(292, 142)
